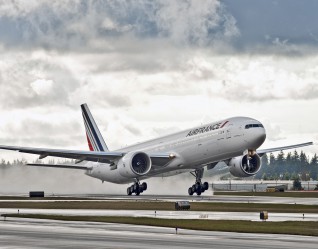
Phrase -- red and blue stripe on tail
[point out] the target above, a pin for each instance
(94, 137)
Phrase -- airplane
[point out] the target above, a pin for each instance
(234, 141)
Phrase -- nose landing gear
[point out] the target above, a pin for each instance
(198, 187)
(137, 188)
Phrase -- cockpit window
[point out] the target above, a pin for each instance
(253, 126)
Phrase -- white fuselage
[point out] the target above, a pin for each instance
(194, 148)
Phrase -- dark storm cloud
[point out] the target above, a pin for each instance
(79, 25)
(280, 27)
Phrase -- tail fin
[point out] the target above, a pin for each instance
(94, 137)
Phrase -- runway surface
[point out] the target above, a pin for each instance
(252, 216)
(209, 198)
(204, 198)
(30, 233)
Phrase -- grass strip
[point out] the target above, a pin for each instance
(309, 228)
(158, 205)
(296, 194)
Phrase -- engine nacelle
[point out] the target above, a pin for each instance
(134, 164)
(245, 166)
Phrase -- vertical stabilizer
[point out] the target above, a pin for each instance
(94, 137)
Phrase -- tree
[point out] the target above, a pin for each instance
(314, 167)
(280, 159)
(264, 177)
(264, 168)
(304, 166)
(264, 160)
(286, 176)
(297, 184)
(294, 161)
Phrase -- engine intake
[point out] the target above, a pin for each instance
(245, 166)
(134, 164)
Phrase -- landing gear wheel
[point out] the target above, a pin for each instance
(198, 187)
(129, 191)
(137, 188)
(144, 186)
(206, 186)
(193, 189)
(190, 192)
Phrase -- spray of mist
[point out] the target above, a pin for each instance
(19, 180)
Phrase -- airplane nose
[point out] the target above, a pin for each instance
(256, 138)
(260, 138)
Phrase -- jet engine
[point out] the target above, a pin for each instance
(134, 164)
(245, 166)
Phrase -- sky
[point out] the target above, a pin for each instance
(150, 68)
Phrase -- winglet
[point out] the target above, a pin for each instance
(93, 135)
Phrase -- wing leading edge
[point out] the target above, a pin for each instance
(63, 166)
(264, 151)
(92, 156)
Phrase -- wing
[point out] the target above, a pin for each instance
(93, 156)
(63, 166)
(264, 151)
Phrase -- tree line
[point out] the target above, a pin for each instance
(288, 166)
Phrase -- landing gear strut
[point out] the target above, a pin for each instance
(198, 187)
(137, 188)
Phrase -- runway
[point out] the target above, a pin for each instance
(207, 198)
(30, 233)
(204, 198)
(250, 216)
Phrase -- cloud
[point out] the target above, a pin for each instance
(196, 23)
(29, 79)
(40, 130)
(265, 79)
(149, 68)
(84, 25)
(107, 26)
(42, 86)
(275, 27)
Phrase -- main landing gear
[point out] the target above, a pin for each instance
(198, 187)
(137, 188)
